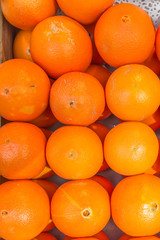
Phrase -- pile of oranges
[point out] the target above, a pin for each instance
(59, 74)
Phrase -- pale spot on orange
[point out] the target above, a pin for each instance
(27, 109)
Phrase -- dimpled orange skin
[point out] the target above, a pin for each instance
(21, 45)
(82, 203)
(22, 150)
(85, 12)
(46, 119)
(135, 205)
(101, 131)
(45, 236)
(27, 14)
(77, 99)
(131, 148)
(60, 45)
(24, 90)
(24, 208)
(101, 236)
(74, 152)
(129, 93)
(124, 34)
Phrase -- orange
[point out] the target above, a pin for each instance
(21, 45)
(101, 131)
(158, 43)
(77, 99)
(24, 90)
(46, 173)
(105, 183)
(96, 58)
(24, 210)
(45, 236)
(132, 92)
(101, 236)
(60, 45)
(135, 205)
(154, 120)
(48, 186)
(131, 148)
(85, 12)
(80, 208)
(153, 63)
(74, 152)
(46, 119)
(155, 169)
(99, 72)
(22, 150)
(26, 14)
(145, 238)
(124, 34)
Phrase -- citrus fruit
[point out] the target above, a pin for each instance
(80, 208)
(77, 99)
(85, 12)
(24, 90)
(131, 148)
(24, 210)
(124, 34)
(22, 150)
(132, 92)
(27, 14)
(60, 45)
(135, 205)
(21, 45)
(74, 152)
(154, 120)
(46, 119)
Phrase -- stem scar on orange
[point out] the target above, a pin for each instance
(124, 34)
(24, 90)
(77, 98)
(80, 208)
